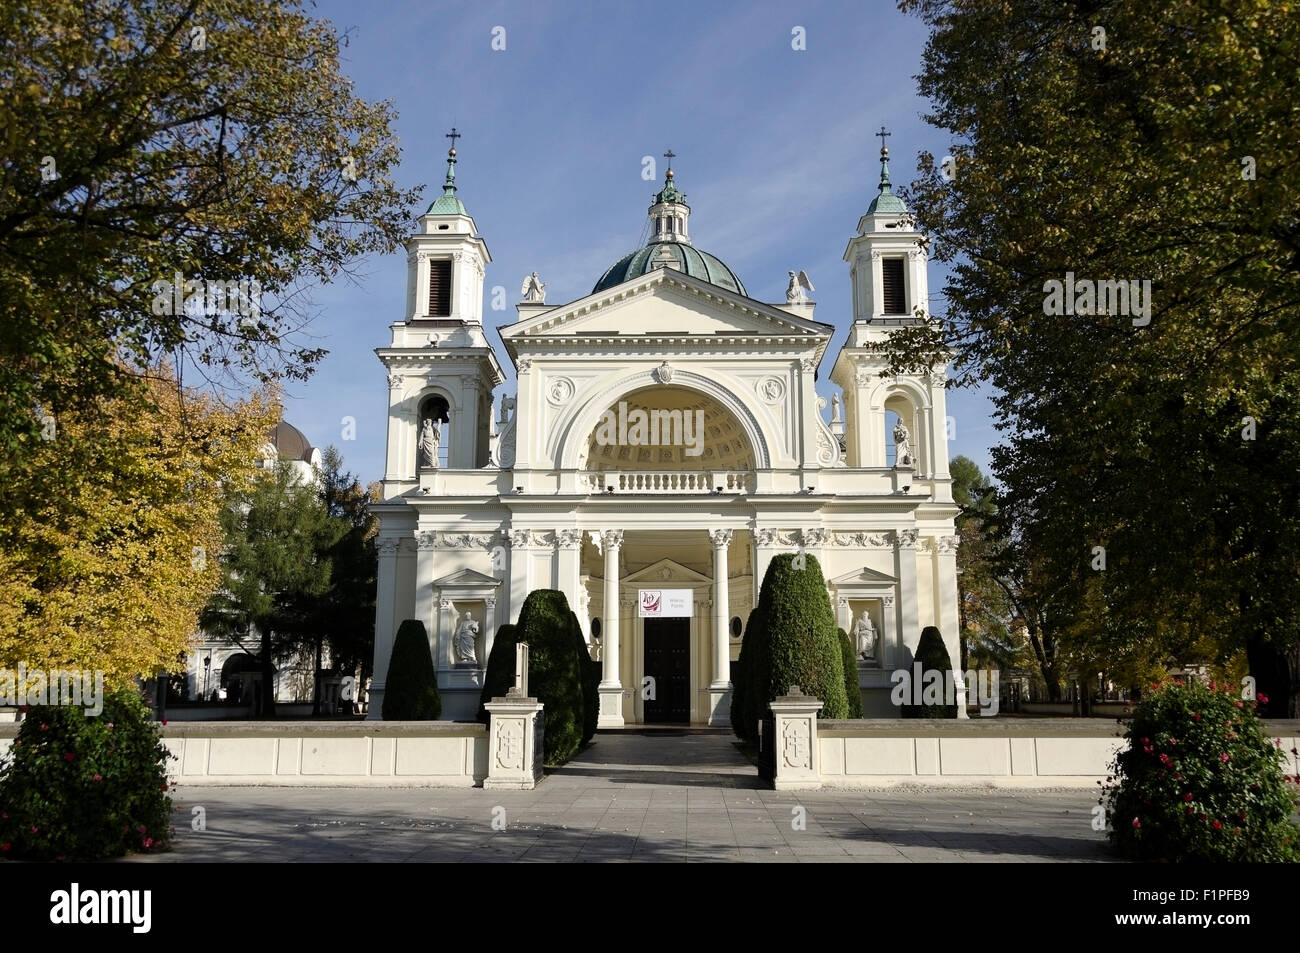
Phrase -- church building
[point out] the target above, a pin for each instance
(664, 442)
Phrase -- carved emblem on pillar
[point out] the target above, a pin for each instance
(520, 538)
(720, 538)
(948, 544)
(394, 381)
(612, 537)
(765, 537)
(569, 538)
(907, 538)
(426, 539)
(386, 547)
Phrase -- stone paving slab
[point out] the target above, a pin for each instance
(638, 797)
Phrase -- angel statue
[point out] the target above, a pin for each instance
(533, 290)
(428, 444)
(902, 446)
(797, 293)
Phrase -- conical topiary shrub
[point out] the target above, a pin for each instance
(590, 680)
(500, 675)
(852, 690)
(411, 691)
(933, 656)
(744, 719)
(555, 677)
(796, 640)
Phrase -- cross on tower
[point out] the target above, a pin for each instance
(882, 134)
(454, 135)
(670, 156)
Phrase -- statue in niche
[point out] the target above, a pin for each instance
(864, 635)
(428, 443)
(902, 446)
(464, 639)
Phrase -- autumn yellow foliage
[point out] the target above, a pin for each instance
(109, 531)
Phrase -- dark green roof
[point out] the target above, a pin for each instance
(692, 261)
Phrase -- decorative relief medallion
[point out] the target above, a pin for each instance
(466, 540)
(771, 389)
(664, 372)
(795, 745)
(559, 391)
(510, 745)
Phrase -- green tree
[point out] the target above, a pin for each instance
(796, 641)
(500, 675)
(411, 690)
(277, 537)
(933, 656)
(1158, 436)
(215, 139)
(554, 676)
(852, 689)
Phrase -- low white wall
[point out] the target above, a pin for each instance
(312, 754)
(1028, 752)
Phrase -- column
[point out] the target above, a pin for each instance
(945, 571)
(567, 569)
(720, 687)
(520, 544)
(909, 620)
(611, 689)
(424, 561)
(765, 548)
(385, 605)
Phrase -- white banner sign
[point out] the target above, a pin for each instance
(665, 603)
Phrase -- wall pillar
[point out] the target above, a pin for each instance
(945, 571)
(611, 688)
(720, 687)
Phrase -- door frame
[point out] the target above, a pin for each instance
(638, 663)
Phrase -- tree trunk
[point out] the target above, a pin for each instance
(267, 700)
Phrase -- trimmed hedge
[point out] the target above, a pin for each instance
(744, 717)
(849, 659)
(500, 675)
(590, 670)
(555, 676)
(792, 642)
(411, 692)
(933, 656)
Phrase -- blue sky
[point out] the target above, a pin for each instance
(775, 151)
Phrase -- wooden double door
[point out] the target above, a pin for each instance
(667, 699)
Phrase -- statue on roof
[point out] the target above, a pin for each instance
(534, 291)
(800, 285)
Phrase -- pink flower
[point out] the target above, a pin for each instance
(1224, 757)
(1196, 716)
(164, 721)
(1212, 686)
(5, 846)
(1137, 823)
(98, 777)
(1217, 825)
(34, 829)
(1146, 741)
(1187, 796)
(1200, 817)
(148, 841)
(1238, 703)
(44, 727)
(69, 756)
(1261, 698)
(1191, 810)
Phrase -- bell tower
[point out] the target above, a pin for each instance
(887, 268)
(440, 366)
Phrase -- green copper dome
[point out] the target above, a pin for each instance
(670, 245)
(886, 203)
(447, 203)
(687, 258)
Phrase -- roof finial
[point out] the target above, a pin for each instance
(670, 156)
(449, 184)
(884, 161)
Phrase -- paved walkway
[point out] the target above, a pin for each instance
(617, 801)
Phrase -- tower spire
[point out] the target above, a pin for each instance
(669, 213)
(885, 201)
(448, 203)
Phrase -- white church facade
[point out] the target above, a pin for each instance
(665, 441)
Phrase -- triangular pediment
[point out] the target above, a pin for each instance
(665, 303)
(666, 573)
(863, 577)
(466, 578)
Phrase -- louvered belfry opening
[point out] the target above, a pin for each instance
(895, 291)
(440, 288)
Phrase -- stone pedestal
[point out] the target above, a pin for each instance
(514, 743)
(789, 756)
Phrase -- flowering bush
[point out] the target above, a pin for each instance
(84, 788)
(1201, 781)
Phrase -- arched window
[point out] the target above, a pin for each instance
(899, 408)
(891, 421)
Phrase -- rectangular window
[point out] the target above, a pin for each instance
(440, 288)
(895, 296)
